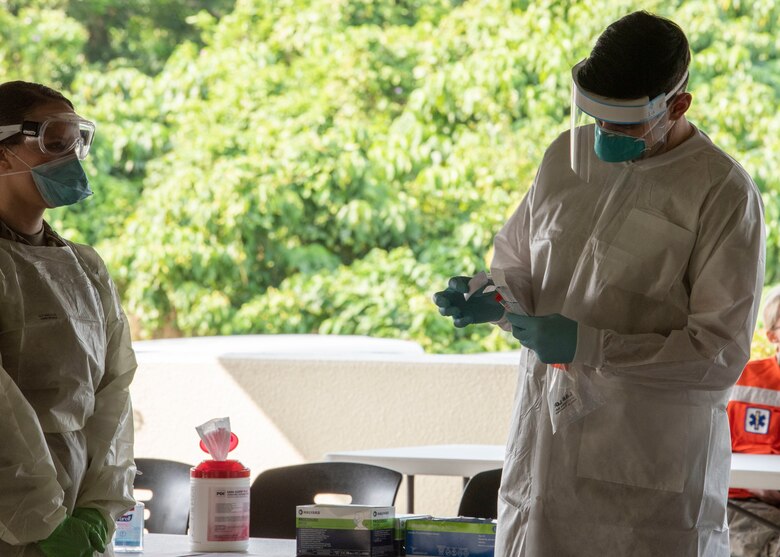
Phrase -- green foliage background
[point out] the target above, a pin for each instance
(298, 166)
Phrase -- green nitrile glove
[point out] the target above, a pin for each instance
(479, 308)
(94, 518)
(72, 538)
(552, 337)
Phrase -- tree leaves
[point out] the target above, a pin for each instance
(326, 165)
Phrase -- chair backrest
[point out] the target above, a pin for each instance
(276, 492)
(169, 506)
(480, 496)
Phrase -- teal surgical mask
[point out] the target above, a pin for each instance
(61, 181)
(617, 147)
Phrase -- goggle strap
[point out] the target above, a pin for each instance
(8, 131)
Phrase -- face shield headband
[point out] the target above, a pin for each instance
(603, 140)
(56, 136)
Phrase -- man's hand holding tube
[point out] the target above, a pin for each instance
(479, 307)
(552, 337)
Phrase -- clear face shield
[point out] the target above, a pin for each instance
(56, 136)
(615, 130)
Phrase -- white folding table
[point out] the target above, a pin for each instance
(748, 471)
(168, 545)
(755, 471)
(428, 460)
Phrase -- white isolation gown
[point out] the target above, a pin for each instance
(66, 362)
(661, 262)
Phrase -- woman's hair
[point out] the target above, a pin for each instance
(772, 308)
(20, 98)
(639, 55)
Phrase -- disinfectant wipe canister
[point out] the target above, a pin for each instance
(219, 493)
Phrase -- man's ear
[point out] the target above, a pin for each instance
(680, 105)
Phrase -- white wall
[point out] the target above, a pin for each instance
(293, 398)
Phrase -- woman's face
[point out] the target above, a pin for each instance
(15, 178)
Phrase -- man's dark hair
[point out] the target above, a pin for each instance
(20, 98)
(639, 54)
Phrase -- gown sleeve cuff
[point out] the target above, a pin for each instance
(590, 346)
(503, 323)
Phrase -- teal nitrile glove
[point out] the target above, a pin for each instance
(94, 518)
(479, 308)
(552, 337)
(72, 538)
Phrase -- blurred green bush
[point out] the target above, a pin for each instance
(280, 166)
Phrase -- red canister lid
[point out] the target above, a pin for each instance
(220, 469)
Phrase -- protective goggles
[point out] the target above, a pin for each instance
(624, 129)
(57, 135)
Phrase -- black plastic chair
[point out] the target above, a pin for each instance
(480, 496)
(169, 505)
(276, 492)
